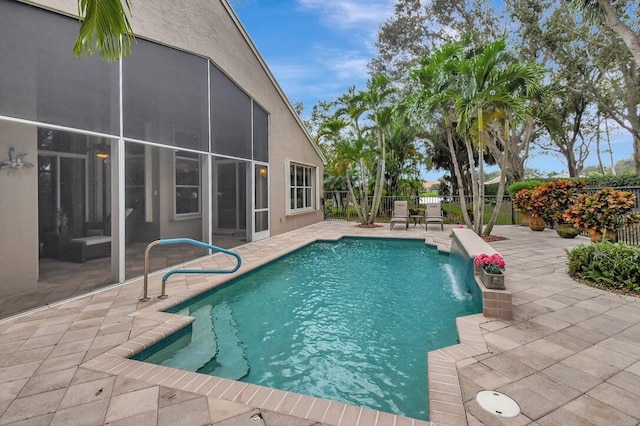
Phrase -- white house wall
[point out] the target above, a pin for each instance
(18, 211)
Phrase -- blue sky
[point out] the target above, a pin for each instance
(316, 49)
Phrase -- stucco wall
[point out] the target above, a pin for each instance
(206, 28)
(18, 211)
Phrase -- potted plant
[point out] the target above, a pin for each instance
(521, 201)
(603, 213)
(490, 268)
(538, 214)
(551, 199)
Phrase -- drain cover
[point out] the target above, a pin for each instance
(498, 403)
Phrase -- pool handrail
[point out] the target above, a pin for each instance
(166, 276)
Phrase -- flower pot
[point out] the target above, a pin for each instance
(524, 219)
(597, 236)
(493, 281)
(536, 223)
(567, 231)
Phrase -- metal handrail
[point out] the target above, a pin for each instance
(166, 276)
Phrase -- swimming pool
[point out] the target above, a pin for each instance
(350, 321)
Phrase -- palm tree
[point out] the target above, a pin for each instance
(403, 159)
(491, 82)
(433, 98)
(470, 88)
(359, 131)
(376, 98)
(352, 148)
(105, 28)
(344, 156)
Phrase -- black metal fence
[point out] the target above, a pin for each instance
(338, 206)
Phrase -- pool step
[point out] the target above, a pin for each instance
(202, 346)
(230, 361)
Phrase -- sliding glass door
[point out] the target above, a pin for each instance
(230, 201)
(261, 202)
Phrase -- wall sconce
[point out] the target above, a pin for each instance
(263, 172)
(102, 151)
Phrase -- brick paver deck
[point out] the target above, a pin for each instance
(571, 355)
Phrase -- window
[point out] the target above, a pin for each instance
(187, 184)
(300, 187)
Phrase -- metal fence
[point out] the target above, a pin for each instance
(338, 206)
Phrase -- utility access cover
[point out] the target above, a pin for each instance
(498, 403)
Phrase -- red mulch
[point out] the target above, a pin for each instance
(373, 225)
(490, 238)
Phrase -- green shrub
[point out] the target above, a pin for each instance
(613, 181)
(607, 265)
(515, 187)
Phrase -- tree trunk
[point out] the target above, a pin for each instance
(613, 164)
(377, 193)
(598, 153)
(477, 180)
(630, 38)
(353, 196)
(636, 152)
(458, 174)
(502, 163)
(474, 185)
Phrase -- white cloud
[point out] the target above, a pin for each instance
(348, 66)
(290, 71)
(347, 14)
(329, 65)
(326, 74)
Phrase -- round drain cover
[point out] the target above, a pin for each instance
(498, 403)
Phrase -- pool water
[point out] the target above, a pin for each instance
(350, 321)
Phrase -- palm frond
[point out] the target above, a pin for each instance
(590, 10)
(105, 28)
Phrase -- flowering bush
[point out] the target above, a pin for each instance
(551, 199)
(493, 264)
(606, 210)
(522, 200)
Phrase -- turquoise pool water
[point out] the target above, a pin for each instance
(350, 321)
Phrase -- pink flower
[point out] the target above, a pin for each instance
(493, 264)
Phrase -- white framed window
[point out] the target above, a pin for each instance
(301, 194)
(187, 185)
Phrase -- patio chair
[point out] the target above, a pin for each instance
(400, 214)
(433, 214)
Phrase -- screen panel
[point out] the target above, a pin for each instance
(165, 96)
(230, 117)
(43, 81)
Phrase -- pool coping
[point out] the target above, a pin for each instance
(445, 396)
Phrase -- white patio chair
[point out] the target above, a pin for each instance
(400, 214)
(433, 214)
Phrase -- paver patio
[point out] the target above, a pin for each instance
(570, 356)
